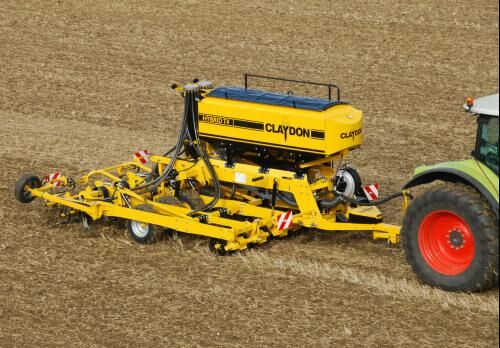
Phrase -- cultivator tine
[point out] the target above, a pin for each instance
(126, 200)
(60, 212)
(52, 215)
(57, 211)
(85, 222)
(67, 215)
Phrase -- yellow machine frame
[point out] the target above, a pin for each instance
(216, 224)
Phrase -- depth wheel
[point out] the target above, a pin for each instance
(192, 198)
(170, 200)
(141, 232)
(216, 246)
(23, 186)
(450, 239)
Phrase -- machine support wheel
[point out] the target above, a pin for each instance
(170, 200)
(141, 232)
(192, 198)
(23, 186)
(450, 238)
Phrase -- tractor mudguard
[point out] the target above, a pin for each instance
(470, 172)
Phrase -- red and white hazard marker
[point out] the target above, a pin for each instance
(371, 192)
(285, 220)
(142, 156)
(52, 179)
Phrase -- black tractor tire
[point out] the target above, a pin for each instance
(450, 239)
(192, 198)
(22, 184)
(143, 233)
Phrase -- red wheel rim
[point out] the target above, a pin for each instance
(446, 242)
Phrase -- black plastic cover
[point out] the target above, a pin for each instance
(270, 98)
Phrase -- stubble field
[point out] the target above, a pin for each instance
(84, 84)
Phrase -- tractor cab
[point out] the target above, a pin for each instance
(486, 110)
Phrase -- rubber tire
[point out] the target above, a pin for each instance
(358, 191)
(207, 191)
(27, 179)
(467, 203)
(171, 200)
(152, 234)
(192, 198)
(357, 179)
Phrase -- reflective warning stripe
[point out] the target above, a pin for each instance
(371, 192)
(142, 156)
(51, 178)
(285, 220)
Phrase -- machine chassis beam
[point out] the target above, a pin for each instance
(214, 224)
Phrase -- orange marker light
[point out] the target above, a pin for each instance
(469, 102)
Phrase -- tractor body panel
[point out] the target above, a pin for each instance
(470, 172)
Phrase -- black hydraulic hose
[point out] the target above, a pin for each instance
(332, 203)
(340, 198)
(217, 188)
(383, 200)
(203, 154)
(152, 175)
(177, 150)
(287, 199)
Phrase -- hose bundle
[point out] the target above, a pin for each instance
(188, 136)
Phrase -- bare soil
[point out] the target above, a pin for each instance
(83, 84)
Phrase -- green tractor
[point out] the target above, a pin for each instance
(450, 233)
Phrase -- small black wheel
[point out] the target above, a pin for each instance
(170, 200)
(216, 246)
(450, 239)
(23, 186)
(192, 198)
(142, 232)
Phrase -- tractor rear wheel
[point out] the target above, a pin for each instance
(23, 186)
(450, 239)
